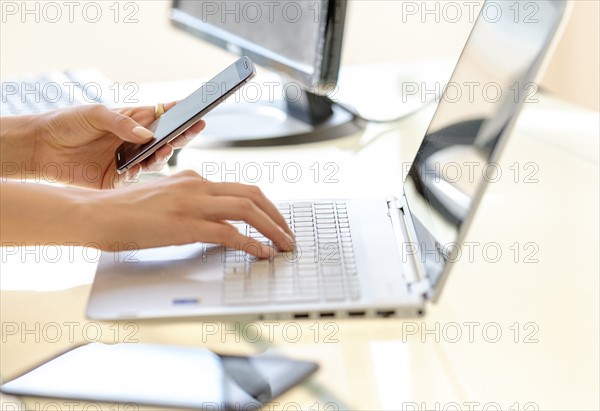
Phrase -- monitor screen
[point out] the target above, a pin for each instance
(302, 39)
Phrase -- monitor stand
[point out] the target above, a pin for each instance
(284, 121)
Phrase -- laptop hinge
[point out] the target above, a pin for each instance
(422, 287)
(416, 279)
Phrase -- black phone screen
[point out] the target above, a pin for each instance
(186, 113)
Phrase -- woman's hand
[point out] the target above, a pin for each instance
(77, 145)
(181, 209)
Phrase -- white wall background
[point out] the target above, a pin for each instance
(151, 49)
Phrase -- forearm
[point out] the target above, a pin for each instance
(37, 214)
(17, 137)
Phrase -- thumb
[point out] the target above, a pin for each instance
(122, 126)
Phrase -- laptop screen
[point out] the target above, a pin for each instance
(493, 78)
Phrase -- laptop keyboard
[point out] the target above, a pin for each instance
(322, 268)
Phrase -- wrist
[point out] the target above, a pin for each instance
(17, 144)
(95, 217)
(108, 220)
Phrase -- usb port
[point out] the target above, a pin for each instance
(327, 315)
(301, 315)
(356, 313)
(386, 313)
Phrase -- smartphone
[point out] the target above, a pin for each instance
(186, 113)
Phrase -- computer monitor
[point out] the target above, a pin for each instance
(300, 40)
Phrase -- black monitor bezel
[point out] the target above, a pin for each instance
(326, 66)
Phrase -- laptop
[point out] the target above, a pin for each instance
(384, 257)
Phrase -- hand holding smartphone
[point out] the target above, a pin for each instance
(186, 113)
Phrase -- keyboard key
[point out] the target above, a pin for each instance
(235, 266)
(329, 246)
(236, 299)
(349, 264)
(260, 270)
(307, 252)
(333, 291)
(233, 293)
(303, 224)
(351, 272)
(308, 258)
(283, 271)
(297, 297)
(303, 214)
(305, 241)
(234, 277)
(308, 270)
(234, 287)
(289, 291)
(308, 289)
(256, 294)
(347, 253)
(330, 239)
(308, 283)
(283, 288)
(334, 271)
(354, 290)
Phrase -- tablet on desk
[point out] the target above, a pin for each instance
(162, 375)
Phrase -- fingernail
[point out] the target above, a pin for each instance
(268, 251)
(290, 239)
(288, 231)
(290, 243)
(142, 132)
(291, 233)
